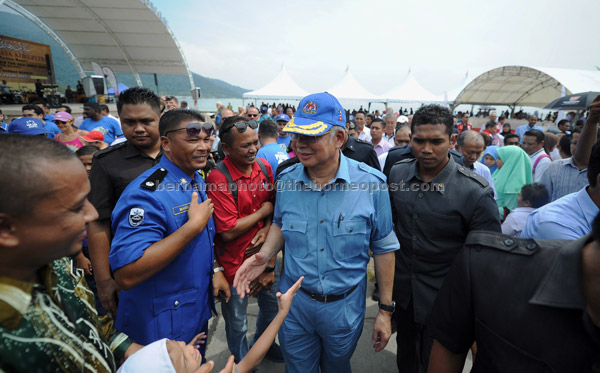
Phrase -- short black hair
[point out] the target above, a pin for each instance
(268, 129)
(565, 144)
(536, 193)
(24, 161)
(40, 102)
(138, 96)
(67, 108)
(172, 118)
(226, 133)
(433, 114)
(105, 108)
(93, 105)
(502, 117)
(378, 120)
(593, 165)
(86, 150)
(561, 122)
(490, 124)
(38, 110)
(539, 135)
(510, 136)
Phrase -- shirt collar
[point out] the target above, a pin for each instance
(131, 151)
(350, 144)
(537, 153)
(175, 172)
(441, 178)
(236, 174)
(562, 287)
(341, 174)
(589, 208)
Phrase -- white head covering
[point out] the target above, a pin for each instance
(152, 358)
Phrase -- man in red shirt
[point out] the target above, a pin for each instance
(242, 220)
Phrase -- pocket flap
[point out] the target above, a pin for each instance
(350, 227)
(294, 226)
(174, 301)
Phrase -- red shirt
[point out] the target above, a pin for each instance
(253, 190)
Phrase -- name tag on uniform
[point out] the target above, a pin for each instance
(181, 209)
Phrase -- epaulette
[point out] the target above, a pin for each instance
(498, 241)
(473, 175)
(359, 141)
(288, 169)
(366, 168)
(151, 183)
(103, 152)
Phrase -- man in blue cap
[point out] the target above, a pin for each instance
(27, 126)
(329, 211)
(283, 138)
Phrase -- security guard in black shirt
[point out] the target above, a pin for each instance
(531, 306)
(359, 150)
(112, 170)
(399, 153)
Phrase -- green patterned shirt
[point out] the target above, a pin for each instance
(54, 326)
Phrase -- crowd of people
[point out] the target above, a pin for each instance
(119, 236)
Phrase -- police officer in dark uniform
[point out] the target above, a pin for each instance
(435, 203)
(112, 170)
(402, 152)
(162, 252)
(359, 150)
(531, 305)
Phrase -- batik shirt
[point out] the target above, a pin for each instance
(54, 327)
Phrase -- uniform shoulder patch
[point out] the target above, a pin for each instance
(152, 182)
(110, 149)
(498, 241)
(288, 169)
(473, 175)
(136, 216)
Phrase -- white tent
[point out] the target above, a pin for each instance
(281, 87)
(349, 89)
(410, 91)
(526, 86)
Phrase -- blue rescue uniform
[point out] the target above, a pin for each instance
(175, 303)
(327, 235)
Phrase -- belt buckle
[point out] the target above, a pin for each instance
(313, 296)
(325, 299)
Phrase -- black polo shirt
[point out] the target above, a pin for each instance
(522, 300)
(112, 170)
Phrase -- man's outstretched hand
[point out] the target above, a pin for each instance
(250, 269)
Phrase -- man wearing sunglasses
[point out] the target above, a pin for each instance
(252, 113)
(242, 220)
(162, 250)
(329, 211)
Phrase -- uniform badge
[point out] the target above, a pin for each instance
(136, 216)
(310, 107)
(339, 115)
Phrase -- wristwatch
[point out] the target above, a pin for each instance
(269, 269)
(218, 269)
(387, 307)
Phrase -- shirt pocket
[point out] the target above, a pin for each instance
(296, 242)
(348, 238)
(172, 313)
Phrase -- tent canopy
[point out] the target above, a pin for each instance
(526, 86)
(410, 91)
(282, 86)
(129, 36)
(350, 89)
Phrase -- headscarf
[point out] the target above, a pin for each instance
(550, 142)
(515, 173)
(493, 151)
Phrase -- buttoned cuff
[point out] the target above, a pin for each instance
(385, 245)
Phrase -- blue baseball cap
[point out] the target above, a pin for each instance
(27, 126)
(283, 117)
(316, 114)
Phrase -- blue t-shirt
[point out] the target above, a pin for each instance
(284, 141)
(274, 154)
(52, 129)
(110, 128)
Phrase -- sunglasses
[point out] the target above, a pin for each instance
(59, 122)
(193, 129)
(241, 126)
(253, 115)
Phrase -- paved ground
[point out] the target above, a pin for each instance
(364, 360)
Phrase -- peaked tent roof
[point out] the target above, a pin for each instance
(410, 91)
(129, 36)
(526, 86)
(282, 86)
(350, 89)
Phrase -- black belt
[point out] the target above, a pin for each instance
(328, 298)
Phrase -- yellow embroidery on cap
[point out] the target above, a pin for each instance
(316, 128)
